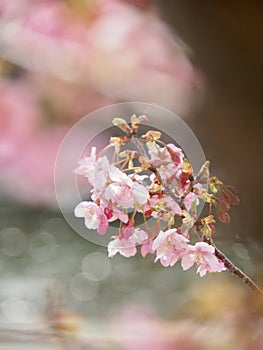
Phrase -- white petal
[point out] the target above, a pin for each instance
(80, 209)
(118, 176)
(121, 246)
(140, 193)
(112, 249)
(91, 221)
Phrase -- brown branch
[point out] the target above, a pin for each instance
(228, 263)
(236, 271)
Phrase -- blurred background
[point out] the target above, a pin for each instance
(61, 60)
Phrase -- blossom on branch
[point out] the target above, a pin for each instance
(94, 216)
(126, 246)
(124, 191)
(169, 246)
(203, 255)
(161, 187)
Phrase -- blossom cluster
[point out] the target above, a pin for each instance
(155, 181)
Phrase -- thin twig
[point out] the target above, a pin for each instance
(228, 263)
(236, 271)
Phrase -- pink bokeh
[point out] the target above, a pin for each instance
(63, 60)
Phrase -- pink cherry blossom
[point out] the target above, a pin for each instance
(167, 162)
(94, 216)
(87, 165)
(191, 197)
(161, 206)
(169, 246)
(203, 255)
(113, 213)
(176, 153)
(172, 205)
(122, 246)
(120, 191)
(159, 156)
(125, 243)
(124, 191)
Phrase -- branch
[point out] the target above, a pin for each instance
(228, 263)
(236, 271)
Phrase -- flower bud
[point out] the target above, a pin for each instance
(122, 124)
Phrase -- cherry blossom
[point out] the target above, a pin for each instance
(87, 166)
(126, 246)
(122, 246)
(113, 212)
(94, 216)
(161, 158)
(96, 170)
(170, 194)
(169, 246)
(203, 255)
(124, 191)
(161, 207)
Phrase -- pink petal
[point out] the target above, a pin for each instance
(146, 248)
(187, 261)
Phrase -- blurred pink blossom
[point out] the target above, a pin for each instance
(79, 59)
(30, 177)
(120, 51)
(135, 57)
(20, 117)
(141, 329)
